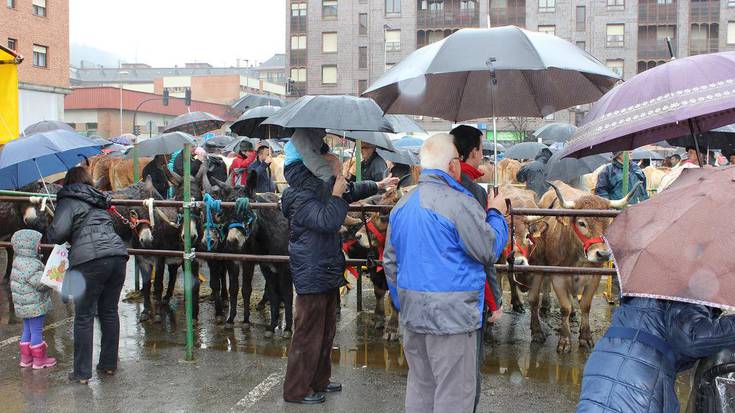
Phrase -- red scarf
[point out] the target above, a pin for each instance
(471, 171)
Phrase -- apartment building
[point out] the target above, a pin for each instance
(39, 31)
(341, 46)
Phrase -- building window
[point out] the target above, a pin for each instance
(730, 32)
(90, 126)
(298, 42)
(392, 40)
(298, 9)
(617, 66)
(363, 57)
(298, 74)
(581, 18)
(329, 9)
(730, 3)
(667, 1)
(12, 43)
(582, 45)
(548, 29)
(361, 86)
(389, 66)
(617, 4)
(392, 7)
(435, 36)
(10, 4)
(615, 35)
(329, 42)
(467, 4)
(39, 56)
(39, 8)
(546, 6)
(363, 18)
(329, 75)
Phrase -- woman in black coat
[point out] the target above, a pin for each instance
(97, 260)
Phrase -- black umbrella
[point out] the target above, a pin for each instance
(164, 144)
(46, 126)
(524, 150)
(570, 169)
(249, 124)
(219, 141)
(378, 139)
(195, 123)
(346, 113)
(555, 132)
(400, 156)
(252, 100)
(720, 138)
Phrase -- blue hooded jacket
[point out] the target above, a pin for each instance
(610, 182)
(438, 244)
(633, 367)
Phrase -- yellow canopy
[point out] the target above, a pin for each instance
(9, 61)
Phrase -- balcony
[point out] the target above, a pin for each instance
(298, 24)
(297, 89)
(704, 12)
(654, 13)
(654, 49)
(447, 18)
(697, 46)
(297, 57)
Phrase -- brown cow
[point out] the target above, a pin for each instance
(654, 176)
(571, 242)
(121, 172)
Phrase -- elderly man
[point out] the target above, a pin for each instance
(439, 242)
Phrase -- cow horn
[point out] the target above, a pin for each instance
(176, 179)
(564, 204)
(164, 217)
(530, 219)
(621, 203)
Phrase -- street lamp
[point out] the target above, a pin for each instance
(122, 73)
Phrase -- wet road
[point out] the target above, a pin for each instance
(241, 370)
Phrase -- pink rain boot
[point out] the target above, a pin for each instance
(40, 360)
(26, 359)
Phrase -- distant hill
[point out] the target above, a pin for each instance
(91, 56)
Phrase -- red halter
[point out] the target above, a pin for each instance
(588, 242)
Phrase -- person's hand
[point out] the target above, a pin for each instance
(340, 186)
(495, 316)
(268, 159)
(388, 183)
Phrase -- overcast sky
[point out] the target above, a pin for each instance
(169, 32)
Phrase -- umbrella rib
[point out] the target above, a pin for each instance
(461, 97)
(530, 88)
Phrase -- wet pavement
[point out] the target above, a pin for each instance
(241, 370)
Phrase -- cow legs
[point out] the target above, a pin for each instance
(515, 296)
(562, 288)
(273, 298)
(247, 289)
(286, 293)
(534, 299)
(233, 271)
(585, 333)
(391, 328)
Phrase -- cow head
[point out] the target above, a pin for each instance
(588, 231)
(37, 215)
(378, 226)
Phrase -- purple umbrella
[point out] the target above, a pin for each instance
(688, 95)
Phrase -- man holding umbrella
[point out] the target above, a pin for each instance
(373, 165)
(610, 180)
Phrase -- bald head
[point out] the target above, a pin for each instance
(439, 152)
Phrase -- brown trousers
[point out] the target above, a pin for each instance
(309, 362)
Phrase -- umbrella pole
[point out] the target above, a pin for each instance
(495, 149)
(43, 181)
(493, 83)
(136, 178)
(626, 172)
(696, 142)
(188, 281)
(357, 152)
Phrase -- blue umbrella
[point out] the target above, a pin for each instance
(27, 160)
(408, 142)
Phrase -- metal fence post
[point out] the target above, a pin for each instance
(136, 178)
(188, 285)
(359, 288)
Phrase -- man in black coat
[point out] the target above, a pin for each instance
(534, 174)
(315, 210)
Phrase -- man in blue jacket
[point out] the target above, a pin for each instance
(633, 367)
(610, 181)
(439, 241)
(261, 167)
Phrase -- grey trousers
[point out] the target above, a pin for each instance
(442, 372)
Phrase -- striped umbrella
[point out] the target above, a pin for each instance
(195, 123)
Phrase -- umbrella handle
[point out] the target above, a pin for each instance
(44, 183)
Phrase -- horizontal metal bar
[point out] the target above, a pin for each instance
(537, 269)
(604, 213)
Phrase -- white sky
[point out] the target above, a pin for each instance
(169, 32)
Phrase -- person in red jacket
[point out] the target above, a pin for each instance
(239, 167)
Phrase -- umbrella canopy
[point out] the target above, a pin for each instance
(249, 124)
(555, 132)
(524, 150)
(487, 145)
(639, 154)
(659, 104)
(401, 156)
(195, 123)
(677, 255)
(219, 141)
(404, 124)
(47, 126)
(125, 139)
(252, 100)
(537, 74)
(379, 139)
(234, 146)
(569, 170)
(346, 113)
(26, 160)
(165, 144)
(408, 142)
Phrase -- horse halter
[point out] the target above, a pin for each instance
(586, 241)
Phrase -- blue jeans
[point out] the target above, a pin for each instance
(32, 330)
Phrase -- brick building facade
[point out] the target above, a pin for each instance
(39, 31)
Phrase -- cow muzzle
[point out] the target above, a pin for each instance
(599, 254)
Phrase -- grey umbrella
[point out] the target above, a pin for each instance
(555, 132)
(570, 169)
(403, 123)
(346, 113)
(234, 146)
(487, 146)
(639, 154)
(46, 126)
(379, 139)
(164, 144)
(253, 100)
(524, 150)
(249, 124)
(401, 156)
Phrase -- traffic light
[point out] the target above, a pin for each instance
(165, 97)
(136, 130)
(187, 97)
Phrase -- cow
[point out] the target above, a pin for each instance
(654, 176)
(110, 173)
(522, 244)
(572, 242)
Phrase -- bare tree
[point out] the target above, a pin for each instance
(520, 126)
